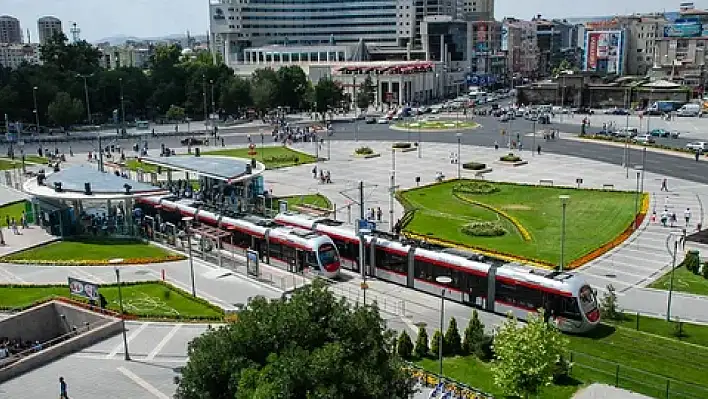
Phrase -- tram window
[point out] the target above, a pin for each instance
(242, 240)
(311, 259)
(347, 249)
(519, 295)
(390, 261)
(275, 250)
(287, 252)
(569, 308)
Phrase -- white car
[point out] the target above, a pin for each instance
(644, 139)
(382, 121)
(700, 146)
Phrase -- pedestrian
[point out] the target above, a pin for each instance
(23, 220)
(222, 142)
(63, 389)
(666, 203)
(664, 185)
(538, 149)
(13, 224)
(664, 217)
(379, 214)
(698, 154)
(314, 172)
(673, 219)
(687, 215)
(496, 145)
(7, 221)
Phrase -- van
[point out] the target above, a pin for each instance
(689, 110)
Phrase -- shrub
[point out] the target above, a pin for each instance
(475, 187)
(474, 166)
(474, 335)
(678, 329)
(404, 346)
(608, 305)
(166, 294)
(692, 261)
(451, 341)
(364, 151)
(510, 157)
(401, 146)
(484, 229)
(421, 344)
(435, 343)
(704, 270)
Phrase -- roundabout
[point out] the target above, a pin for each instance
(430, 126)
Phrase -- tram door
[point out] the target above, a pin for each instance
(410, 275)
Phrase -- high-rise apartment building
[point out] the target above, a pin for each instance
(47, 27)
(10, 31)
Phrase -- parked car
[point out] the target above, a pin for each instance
(675, 134)
(659, 133)
(195, 141)
(583, 111)
(382, 121)
(617, 111)
(645, 139)
(370, 120)
(700, 146)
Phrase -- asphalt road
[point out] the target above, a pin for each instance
(486, 135)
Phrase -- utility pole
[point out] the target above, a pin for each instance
(122, 107)
(90, 120)
(206, 119)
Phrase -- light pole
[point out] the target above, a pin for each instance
(90, 120)
(187, 221)
(636, 198)
(533, 147)
(564, 203)
(644, 164)
(671, 280)
(459, 147)
(442, 280)
(36, 110)
(122, 317)
(206, 118)
(122, 107)
(213, 108)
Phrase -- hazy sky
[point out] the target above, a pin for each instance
(98, 19)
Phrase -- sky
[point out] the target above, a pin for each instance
(99, 19)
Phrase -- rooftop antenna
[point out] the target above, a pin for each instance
(75, 33)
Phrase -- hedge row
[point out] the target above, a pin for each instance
(474, 166)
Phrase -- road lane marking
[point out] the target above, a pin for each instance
(164, 342)
(146, 385)
(132, 335)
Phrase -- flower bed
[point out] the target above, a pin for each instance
(475, 187)
(484, 229)
(524, 233)
(474, 166)
(97, 262)
(510, 158)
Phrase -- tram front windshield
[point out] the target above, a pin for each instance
(329, 259)
(588, 303)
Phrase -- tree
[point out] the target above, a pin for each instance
(175, 113)
(264, 94)
(292, 86)
(64, 110)
(474, 336)
(365, 94)
(404, 347)
(236, 96)
(421, 349)
(608, 304)
(527, 355)
(312, 345)
(435, 343)
(73, 58)
(704, 270)
(451, 342)
(328, 96)
(692, 261)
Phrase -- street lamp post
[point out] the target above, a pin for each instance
(534, 139)
(564, 203)
(671, 280)
(636, 197)
(122, 318)
(122, 107)
(36, 110)
(90, 119)
(187, 220)
(442, 280)
(644, 164)
(213, 109)
(204, 96)
(459, 147)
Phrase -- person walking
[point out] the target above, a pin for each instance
(687, 215)
(698, 154)
(63, 389)
(538, 149)
(664, 185)
(496, 145)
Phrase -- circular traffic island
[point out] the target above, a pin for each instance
(442, 125)
(93, 252)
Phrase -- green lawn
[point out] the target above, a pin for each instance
(684, 281)
(12, 210)
(538, 209)
(7, 163)
(293, 201)
(273, 157)
(87, 251)
(134, 164)
(150, 299)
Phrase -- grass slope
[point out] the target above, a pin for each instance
(293, 201)
(145, 299)
(12, 210)
(684, 281)
(441, 215)
(98, 250)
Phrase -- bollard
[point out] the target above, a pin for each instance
(617, 376)
(163, 274)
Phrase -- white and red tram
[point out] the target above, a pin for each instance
(306, 248)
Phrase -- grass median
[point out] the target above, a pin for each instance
(273, 157)
(146, 299)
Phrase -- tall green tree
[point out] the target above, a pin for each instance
(64, 110)
(292, 87)
(453, 346)
(365, 94)
(435, 343)
(421, 349)
(312, 345)
(404, 345)
(474, 335)
(328, 96)
(527, 355)
(80, 57)
(236, 96)
(175, 113)
(264, 94)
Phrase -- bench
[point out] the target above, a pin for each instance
(545, 182)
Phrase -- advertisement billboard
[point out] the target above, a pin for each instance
(684, 29)
(604, 51)
(83, 288)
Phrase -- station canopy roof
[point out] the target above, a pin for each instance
(216, 167)
(74, 178)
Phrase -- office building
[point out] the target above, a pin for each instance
(10, 31)
(521, 47)
(14, 55)
(127, 55)
(47, 27)
(681, 49)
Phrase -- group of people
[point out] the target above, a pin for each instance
(325, 176)
(11, 223)
(13, 346)
(374, 214)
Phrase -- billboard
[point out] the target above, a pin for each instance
(604, 51)
(83, 288)
(684, 29)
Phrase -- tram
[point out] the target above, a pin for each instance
(300, 248)
(568, 301)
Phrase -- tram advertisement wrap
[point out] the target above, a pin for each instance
(83, 288)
